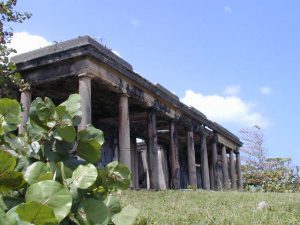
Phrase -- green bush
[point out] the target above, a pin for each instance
(41, 181)
(276, 176)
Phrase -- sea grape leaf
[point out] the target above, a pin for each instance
(84, 176)
(127, 216)
(52, 194)
(37, 213)
(36, 172)
(93, 212)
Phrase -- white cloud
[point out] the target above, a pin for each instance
(227, 9)
(225, 109)
(266, 90)
(232, 90)
(135, 22)
(25, 42)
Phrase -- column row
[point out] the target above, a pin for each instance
(212, 177)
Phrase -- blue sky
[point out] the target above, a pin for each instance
(237, 61)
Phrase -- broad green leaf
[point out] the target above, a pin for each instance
(127, 216)
(9, 115)
(11, 180)
(64, 116)
(120, 174)
(61, 171)
(93, 212)
(12, 219)
(53, 194)
(7, 162)
(46, 176)
(91, 133)
(45, 109)
(10, 109)
(36, 172)
(22, 164)
(37, 128)
(3, 218)
(49, 151)
(17, 143)
(72, 106)
(6, 219)
(84, 176)
(113, 204)
(89, 150)
(67, 134)
(63, 148)
(37, 213)
(90, 141)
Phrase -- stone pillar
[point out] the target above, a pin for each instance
(219, 172)
(191, 158)
(161, 175)
(225, 169)
(152, 150)
(232, 170)
(124, 132)
(211, 170)
(85, 95)
(175, 169)
(204, 163)
(25, 103)
(144, 156)
(214, 162)
(134, 164)
(239, 171)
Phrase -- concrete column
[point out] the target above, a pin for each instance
(152, 150)
(25, 103)
(215, 166)
(161, 175)
(85, 95)
(204, 163)
(219, 173)
(124, 132)
(175, 169)
(232, 169)
(165, 168)
(144, 156)
(191, 158)
(239, 171)
(225, 169)
(211, 171)
(134, 164)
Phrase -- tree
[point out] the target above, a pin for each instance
(261, 172)
(42, 183)
(9, 79)
(254, 161)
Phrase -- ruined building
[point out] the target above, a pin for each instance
(180, 147)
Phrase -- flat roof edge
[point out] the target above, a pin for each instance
(67, 45)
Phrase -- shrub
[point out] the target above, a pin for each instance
(42, 182)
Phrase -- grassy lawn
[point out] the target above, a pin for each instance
(202, 207)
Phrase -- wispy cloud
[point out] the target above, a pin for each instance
(265, 90)
(225, 109)
(232, 90)
(227, 9)
(135, 22)
(25, 42)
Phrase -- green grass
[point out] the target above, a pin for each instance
(203, 207)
